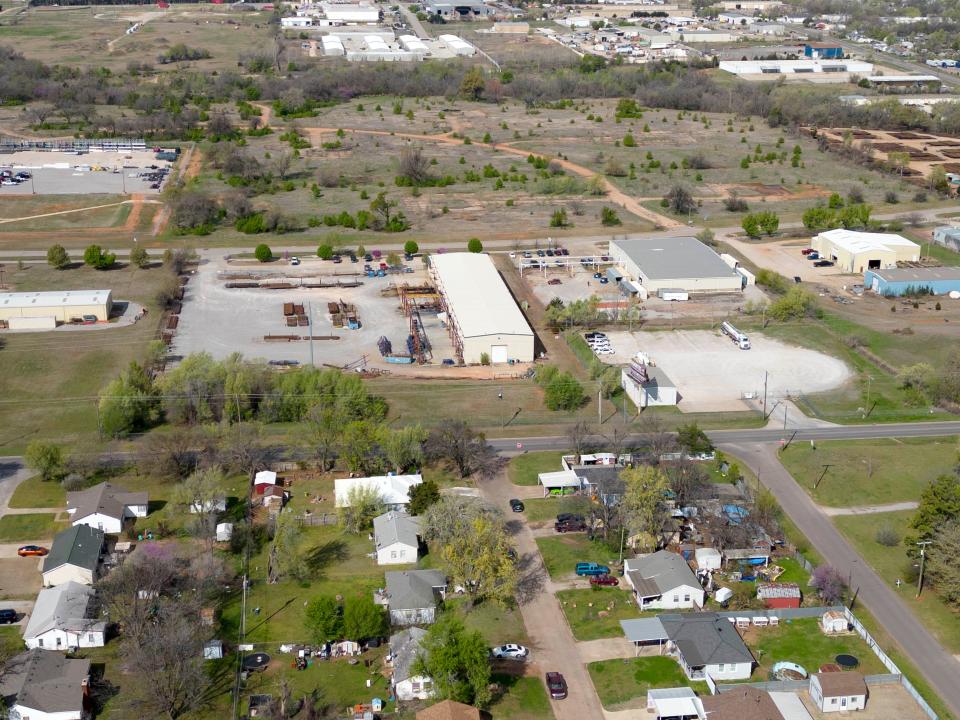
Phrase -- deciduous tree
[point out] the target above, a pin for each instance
(364, 503)
(468, 451)
(363, 619)
(323, 618)
(58, 257)
(476, 558)
(457, 660)
(46, 458)
(643, 503)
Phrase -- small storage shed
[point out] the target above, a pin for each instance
(708, 558)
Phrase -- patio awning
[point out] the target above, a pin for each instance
(559, 479)
(640, 630)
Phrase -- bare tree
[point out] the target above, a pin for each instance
(173, 454)
(324, 427)
(282, 162)
(578, 434)
(657, 438)
(686, 479)
(39, 112)
(242, 449)
(414, 165)
(199, 495)
(455, 442)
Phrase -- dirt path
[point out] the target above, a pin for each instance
(614, 194)
(190, 165)
(868, 509)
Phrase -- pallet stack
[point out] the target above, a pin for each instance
(294, 315)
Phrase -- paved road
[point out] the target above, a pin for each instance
(413, 22)
(940, 668)
(12, 473)
(551, 642)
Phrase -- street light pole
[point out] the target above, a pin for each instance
(923, 553)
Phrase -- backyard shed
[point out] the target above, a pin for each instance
(779, 595)
(708, 558)
(833, 621)
(484, 318)
(838, 691)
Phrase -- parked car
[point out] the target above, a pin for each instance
(353, 258)
(337, 259)
(540, 253)
(556, 685)
(368, 257)
(604, 280)
(516, 505)
(562, 517)
(294, 260)
(8, 616)
(604, 581)
(550, 253)
(564, 252)
(823, 263)
(585, 569)
(510, 651)
(796, 279)
(554, 281)
(570, 526)
(807, 251)
(32, 551)
(597, 275)
(813, 255)
(592, 335)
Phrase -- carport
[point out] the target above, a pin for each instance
(644, 631)
(562, 482)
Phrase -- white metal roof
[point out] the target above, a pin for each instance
(561, 478)
(477, 296)
(643, 629)
(54, 298)
(902, 78)
(857, 242)
(674, 702)
(393, 489)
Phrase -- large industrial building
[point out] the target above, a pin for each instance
(61, 306)
(674, 263)
(857, 252)
(805, 67)
(907, 281)
(482, 315)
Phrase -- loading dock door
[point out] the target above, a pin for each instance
(498, 353)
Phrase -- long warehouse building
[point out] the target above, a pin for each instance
(61, 305)
(674, 263)
(483, 315)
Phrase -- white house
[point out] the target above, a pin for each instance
(663, 581)
(396, 536)
(106, 507)
(404, 649)
(74, 556)
(41, 685)
(838, 691)
(393, 489)
(707, 644)
(60, 619)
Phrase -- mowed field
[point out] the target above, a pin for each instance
(95, 36)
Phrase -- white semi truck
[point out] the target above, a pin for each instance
(742, 341)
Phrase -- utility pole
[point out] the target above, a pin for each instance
(923, 554)
(765, 376)
(310, 328)
(599, 405)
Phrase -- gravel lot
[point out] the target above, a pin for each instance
(222, 320)
(712, 373)
(57, 173)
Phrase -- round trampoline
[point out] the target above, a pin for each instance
(258, 661)
(847, 662)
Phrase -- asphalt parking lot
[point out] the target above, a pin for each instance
(59, 173)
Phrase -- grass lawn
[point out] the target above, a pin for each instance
(498, 625)
(524, 698)
(794, 573)
(869, 472)
(37, 493)
(523, 469)
(10, 640)
(623, 684)
(562, 553)
(892, 563)
(800, 641)
(35, 526)
(583, 607)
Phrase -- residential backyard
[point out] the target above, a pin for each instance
(596, 612)
(623, 684)
(524, 469)
(562, 553)
(869, 472)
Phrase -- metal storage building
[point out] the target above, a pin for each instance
(948, 237)
(62, 305)
(683, 263)
(648, 385)
(901, 281)
(483, 316)
(860, 251)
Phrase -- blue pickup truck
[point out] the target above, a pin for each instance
(589, 568)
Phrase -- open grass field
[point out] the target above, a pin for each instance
(623, 684)
(583, 610)
(38, 493)
(525, 469)
(870, 472)
(892, 563)
(800, 641)
(33, 526)
(101, 217)
(562, 553)
(524, 698)
(52, 379)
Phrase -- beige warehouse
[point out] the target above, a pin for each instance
(857, 252)
(483, 316)
(62, 305)
(674, 263)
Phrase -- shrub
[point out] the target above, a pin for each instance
(629, 141)
(474, 245)
(325, 252)
(609, 217)
(95, 257)
(410, 247)
(887, 536)
(263, 253)
(559, 218)
(564, 392)
(139, 256)
(773, 281)
(484, 358)
(58, 257)
(891, 198)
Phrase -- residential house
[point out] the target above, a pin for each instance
(838, 691)
(106, 507)
(396, 536)
(394, 490)
(779, 595)
(663, 581)
(62, 618)
(742, 703)
(707, 644)
(449, 710)
(412, 596)
(74, 555)
(41, 685)
(404, 649)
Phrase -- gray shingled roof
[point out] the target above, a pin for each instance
(404, 647)
(64, 607)
(394, 527)
(414, 589)
(79, 545)
(44, 681)
(105, 499)
(705, 639)
(665, 258)
(660, 572)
